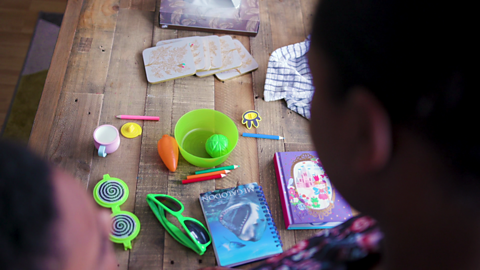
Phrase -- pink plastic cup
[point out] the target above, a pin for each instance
(106, 139)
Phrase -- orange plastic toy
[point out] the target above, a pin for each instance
(168, 150)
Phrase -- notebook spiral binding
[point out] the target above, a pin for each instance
(268, 216)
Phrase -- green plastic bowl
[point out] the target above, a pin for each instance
(193, 130)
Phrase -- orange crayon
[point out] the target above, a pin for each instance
(188, 181)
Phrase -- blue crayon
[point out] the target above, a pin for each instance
(262, 136)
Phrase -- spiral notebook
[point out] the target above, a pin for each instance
(241, 225)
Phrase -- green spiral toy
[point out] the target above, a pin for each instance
(112, 192)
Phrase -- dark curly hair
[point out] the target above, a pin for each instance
(27, 209)
(418, 58)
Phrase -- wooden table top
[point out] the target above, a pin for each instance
(97, 72)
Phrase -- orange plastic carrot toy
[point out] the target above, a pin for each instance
(168, 150)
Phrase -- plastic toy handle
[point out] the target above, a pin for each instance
(127, 245)
(116, 209)
(102, 151)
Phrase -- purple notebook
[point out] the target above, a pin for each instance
(309, 200)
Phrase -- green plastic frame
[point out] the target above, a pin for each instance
(159, 209)
(115, 206)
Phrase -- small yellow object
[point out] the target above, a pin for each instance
(250, 118)
(131, 130)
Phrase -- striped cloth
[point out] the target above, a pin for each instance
(289, 78)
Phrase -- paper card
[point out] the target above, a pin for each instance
(208, 61)
(230, 57)
(248, 64)
(168, 62)
(196, 45)
(215, 52)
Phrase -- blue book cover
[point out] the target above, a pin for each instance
(241, 225)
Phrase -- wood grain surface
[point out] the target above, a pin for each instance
(42, 126)
(70, 139)
(98, 72)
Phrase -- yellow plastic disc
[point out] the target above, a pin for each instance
(131, 130)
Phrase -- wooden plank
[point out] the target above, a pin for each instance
(261, 48)
(72, 137)
(308, 10)
(18, 50)
(51, 6)
(185, 94)
(274, 32)
(9, 77)
(99, 15)
(30, 20)
(189, 93)
(286, 31)
(92, 47)
(178, 256)
(152, 172)
(301, 132)
(265, 148)
(12, 38)
(233, 98)
(12, 20)
(15, 4)
(10, 62)
(152, 178)
(7, 93)
(146, 5)
(299, 129)
(53, 85)
(88, 64)
(125, 93)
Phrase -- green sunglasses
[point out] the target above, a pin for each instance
(198, 236)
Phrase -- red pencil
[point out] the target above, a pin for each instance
(188, 181)
(207, 174)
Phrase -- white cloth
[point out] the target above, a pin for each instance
(289, 78)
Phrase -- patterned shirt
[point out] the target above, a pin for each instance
(355, 244)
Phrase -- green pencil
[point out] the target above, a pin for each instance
(231, 167)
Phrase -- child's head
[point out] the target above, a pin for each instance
(400, 67)
(52, 222)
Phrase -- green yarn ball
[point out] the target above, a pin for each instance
(217, 145)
